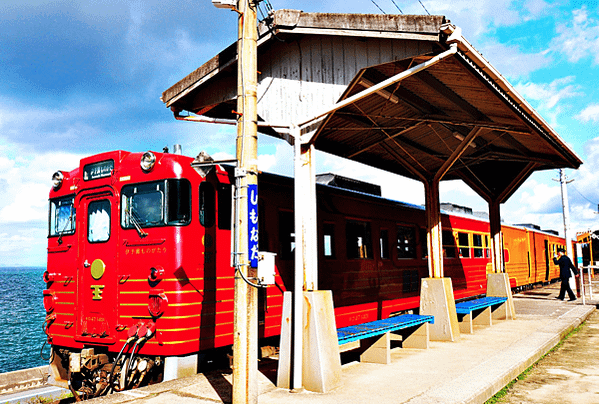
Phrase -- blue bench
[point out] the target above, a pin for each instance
(375, 337)
(480, 312)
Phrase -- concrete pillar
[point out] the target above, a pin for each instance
(498, 284)
(436, 298)
(321, 359)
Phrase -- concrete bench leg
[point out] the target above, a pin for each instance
(466, 324)
(483, 318)
(417, 339)
(378, 349)
(502, 312)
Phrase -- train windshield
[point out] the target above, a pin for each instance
(159, 203)
(62, 216)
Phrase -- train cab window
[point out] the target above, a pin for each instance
(449, 248)
(478, 246)
(143, 205)
(207, 204)
(359, 239)
(98, 221)
(158, 203)
(62, 217)
(384, 243)
(224, 206)
(406, 242)
(464, 245)
(286, 235)
(329, 240)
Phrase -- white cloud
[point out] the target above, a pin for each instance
(579, 38)
(26, 180)
(589, 114)
(547, 98)
(511, 61)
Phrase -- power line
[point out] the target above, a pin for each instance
(584, 197)
(393, 1)
(377, 6)
(424, 7)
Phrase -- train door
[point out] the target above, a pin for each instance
(547, 260)
(97, 268)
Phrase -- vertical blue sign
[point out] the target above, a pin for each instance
(253, 225)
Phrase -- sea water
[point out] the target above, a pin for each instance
(22, 318)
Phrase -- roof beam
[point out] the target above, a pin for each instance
(440, 88)
(444, 120)
(411, 100)
(457, 153)
(385, 139)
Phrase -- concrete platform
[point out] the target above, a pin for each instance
(470, 370)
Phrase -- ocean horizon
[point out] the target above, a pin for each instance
(22, 312)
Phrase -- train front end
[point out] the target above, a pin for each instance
(122, 295)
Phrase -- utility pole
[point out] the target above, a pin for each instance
(245, 346)
(566, 210)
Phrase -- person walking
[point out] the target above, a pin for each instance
(565, 264)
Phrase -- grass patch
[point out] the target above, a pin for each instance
(499, 396)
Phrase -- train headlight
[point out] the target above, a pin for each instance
(57, 179)
(148, 159)
(158, 302)
(49, 300)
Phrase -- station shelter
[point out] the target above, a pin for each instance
(403, 93)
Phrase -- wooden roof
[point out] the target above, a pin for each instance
(458, 118)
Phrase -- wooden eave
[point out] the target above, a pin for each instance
(412, 127)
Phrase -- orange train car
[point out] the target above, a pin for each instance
(529, 254)
(139, 276)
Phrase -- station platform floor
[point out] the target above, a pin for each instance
(469, 370)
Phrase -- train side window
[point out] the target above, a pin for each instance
(98, 221)
(286, 235)
(384, 243)
(449, 248)
(224, 206)
(487, 249)
(464, 245)
(423, 243)
(62, 216)
(478, 246)
(329, 240)
(178, 202)
(207, 204)
(359, 239)
(406, 242)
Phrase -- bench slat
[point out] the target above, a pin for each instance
(477, 304)
(378, 327)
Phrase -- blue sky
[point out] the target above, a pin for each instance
(82, 77)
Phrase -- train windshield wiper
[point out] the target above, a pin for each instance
(64, 229)
(136, 224)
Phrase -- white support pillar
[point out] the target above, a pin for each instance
(310, 220)
(306, 257)
(298, 283)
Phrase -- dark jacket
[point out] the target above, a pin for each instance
(565, 264)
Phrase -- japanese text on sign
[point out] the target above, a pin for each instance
(253, 225)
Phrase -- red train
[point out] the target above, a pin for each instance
(139, 277)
